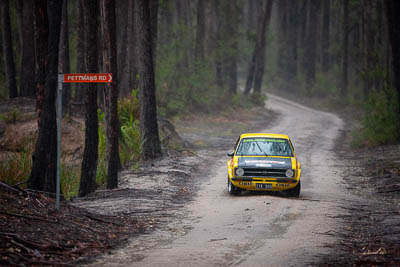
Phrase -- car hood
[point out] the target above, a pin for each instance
(265, 162)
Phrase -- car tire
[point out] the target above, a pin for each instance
(295, 192)
(232, 190)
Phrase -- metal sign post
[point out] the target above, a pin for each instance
(59, 119)
(72, 78)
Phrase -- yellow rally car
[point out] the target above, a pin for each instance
(264, 162)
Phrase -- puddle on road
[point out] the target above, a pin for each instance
(276, 229)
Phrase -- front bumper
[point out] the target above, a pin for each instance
(264, 184)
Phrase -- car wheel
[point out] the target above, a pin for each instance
(295, 192)
(232, 190)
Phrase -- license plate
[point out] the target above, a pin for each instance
(264, 186)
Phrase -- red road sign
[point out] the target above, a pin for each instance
(87, 78)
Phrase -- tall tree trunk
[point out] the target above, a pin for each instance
(108, 21)
(184, 33)
(283, 35)
(233, 46)
(250, 72)
(8, 54)
(392, 14)
(261, 28)
(27, 78)
(292, 42)
(311, 47)
(325, 36)
(370, 63)
(150, 140)
(80, 51)
(303, 20)
(259, 72)
(381, 45)
(343, 89)
(19, 6)
(90, 154)
(200, 32)
(122, 47)
(218, 54)
(132, 45)
(166, 22)
(251, 18)
(64, 65)
(153, 5)
(48, 21)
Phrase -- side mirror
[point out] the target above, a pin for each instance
(230, 154)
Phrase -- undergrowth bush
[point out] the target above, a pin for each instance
(69, 179)
(380, 121)
(129, 149)
(12, 116)
(101, 173)
(15, 167)
(128, 112)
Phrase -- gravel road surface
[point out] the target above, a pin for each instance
(256, 229)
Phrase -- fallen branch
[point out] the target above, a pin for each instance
(389, 191)
(30, 251)
(27, 217)
(102, 220)
(6, 186)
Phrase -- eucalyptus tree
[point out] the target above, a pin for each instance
(150, 140)
(47, 15)
(90, 154)
(8, 53)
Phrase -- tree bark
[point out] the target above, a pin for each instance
(292, 34)
(166, 22)
(19, 4)
(47, 29)
(303, 20)
(261, 33)
(392, 14)
(200, 33)
(153, 5)
(251, 18)
(80, 51)
(325, 36)
(64, 64)
(233, 46)
(122, 47)
(218, 57)
(90, 154)
(108, 21)
(27, 78)
(311, 47)
(370, 56)
(260, 61)
(132, 44)
(150, 140)
(343, 89)
(283, 36)
(8, 54)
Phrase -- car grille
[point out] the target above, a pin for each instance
(262, 172)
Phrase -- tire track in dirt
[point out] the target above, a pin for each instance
(257, 229)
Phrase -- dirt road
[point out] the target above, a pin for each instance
(256, 229)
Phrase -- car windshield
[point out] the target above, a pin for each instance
(264, 147)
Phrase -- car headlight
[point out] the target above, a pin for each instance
(239, 172)
(289, 173)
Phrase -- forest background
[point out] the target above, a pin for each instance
(202, 56)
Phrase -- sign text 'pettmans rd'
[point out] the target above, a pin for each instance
(88, 78)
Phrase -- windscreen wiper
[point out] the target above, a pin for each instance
(261, 149)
